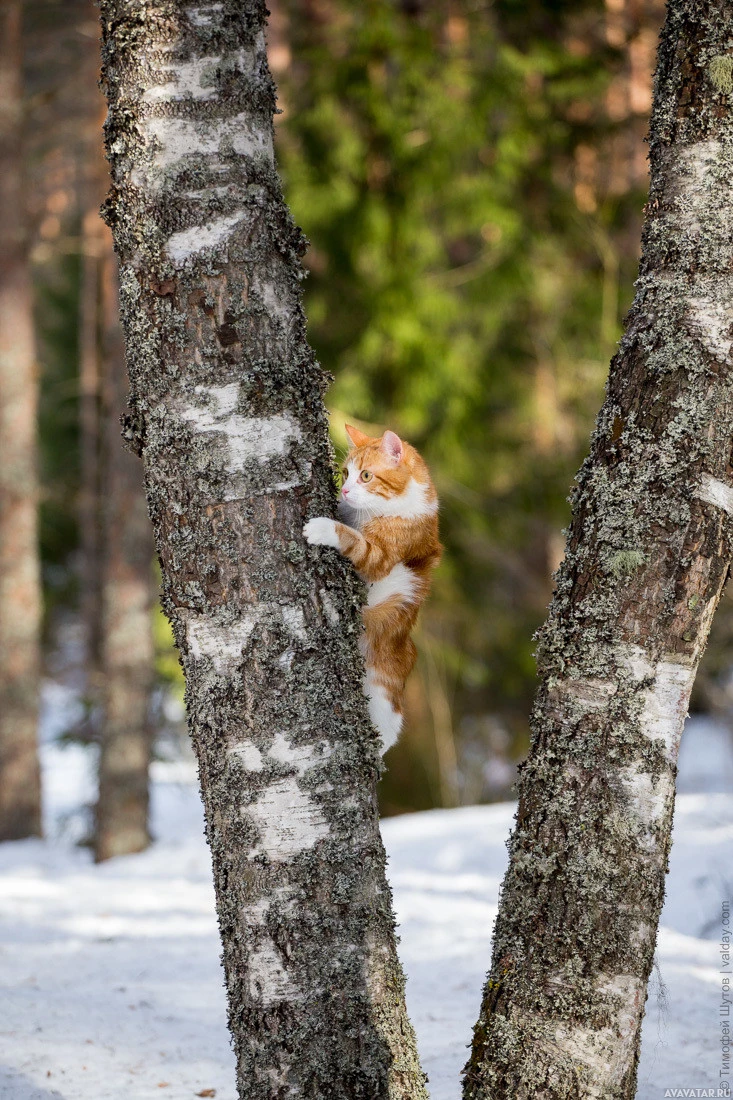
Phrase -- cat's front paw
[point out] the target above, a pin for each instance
(321, 532)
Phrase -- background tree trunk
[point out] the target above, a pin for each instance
(647, 556)
(20, 595)
(127, 650)
(116, 577)
(90, 494)
(227, 411)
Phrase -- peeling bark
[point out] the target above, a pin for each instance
(226, 410)
(20, 588)
(648, 554)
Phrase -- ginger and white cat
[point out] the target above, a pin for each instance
(390, 533)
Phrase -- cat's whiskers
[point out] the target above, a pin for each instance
(362, 513)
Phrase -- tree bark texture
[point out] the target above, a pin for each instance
(226, 409)
(20, 590)
(127, 653)
(648, 553)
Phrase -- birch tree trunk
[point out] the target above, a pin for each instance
(648, 553)
(226, 410)
(127, 650)
(20, 591)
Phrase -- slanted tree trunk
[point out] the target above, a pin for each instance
(648, 554)
(226, 409)
(127, 651)
(20, 592)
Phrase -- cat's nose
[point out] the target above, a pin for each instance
(345, 491)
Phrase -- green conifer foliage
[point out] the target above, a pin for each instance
(464, 290)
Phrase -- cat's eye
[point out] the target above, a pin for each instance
(365, 475)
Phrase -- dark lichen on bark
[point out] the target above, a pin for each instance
(647, 556)
(227, 411)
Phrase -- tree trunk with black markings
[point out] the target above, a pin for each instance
(648, 553)
(20, 584)
(226, 409)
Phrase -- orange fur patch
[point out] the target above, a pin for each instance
(384, 542)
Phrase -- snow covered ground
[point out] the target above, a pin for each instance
(110, 977)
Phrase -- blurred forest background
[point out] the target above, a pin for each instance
(471, 176)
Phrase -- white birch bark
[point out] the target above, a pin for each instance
(648, 553)
(227, 413)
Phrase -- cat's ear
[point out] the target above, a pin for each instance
(391, 446)
(357, 438)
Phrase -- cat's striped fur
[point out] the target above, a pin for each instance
(389, 509)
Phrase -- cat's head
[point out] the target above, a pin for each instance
(386, 477)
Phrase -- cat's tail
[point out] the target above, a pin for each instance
(385, 707)
(384, 687)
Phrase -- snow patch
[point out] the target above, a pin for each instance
(111, 1016)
